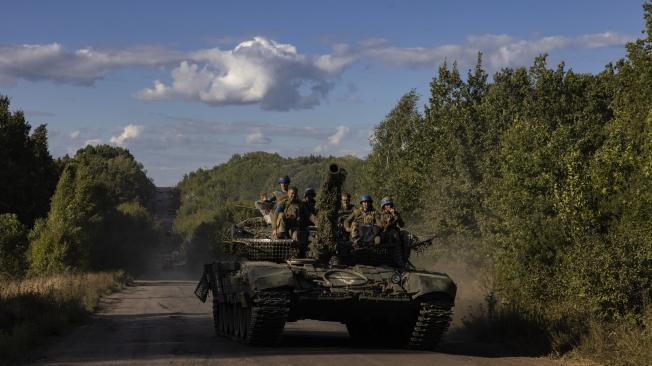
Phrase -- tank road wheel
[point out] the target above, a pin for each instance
(231, 319)
(217, 317)
(265, 319)
(223, 319)
(260, 324)
(228, 319)
(237, 321)
(432, 321)
(245, 317)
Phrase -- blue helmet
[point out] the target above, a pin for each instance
(386, 201)
(309, 192)
(284, 179)
(365, 197)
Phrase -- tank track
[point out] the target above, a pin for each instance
(432, 322)
(261, 324)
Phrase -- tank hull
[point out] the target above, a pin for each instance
(411, 308)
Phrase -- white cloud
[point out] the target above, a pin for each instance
(272, 74)
(74, 135)
(256, 71)
(499, 50)
(338, 136)
(256, 137)
(84, 66)
(130, 132)
(333, 140)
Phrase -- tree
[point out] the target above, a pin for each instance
(28, 174)
(13, 244)
(392, 166)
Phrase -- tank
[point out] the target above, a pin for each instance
(262, 283)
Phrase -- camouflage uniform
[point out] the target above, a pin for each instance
(293, 221)
(392, 223)
(279, 197)
(361, 217)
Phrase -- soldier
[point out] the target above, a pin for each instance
(392, 223)
(281, 193)
(365, 216)
(293, 219)
(278, 196)
(390, 219)
(309, 200)
(345, 203)
(346, 209)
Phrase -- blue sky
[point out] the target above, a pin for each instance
(186, 85)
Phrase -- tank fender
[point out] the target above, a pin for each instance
(420, 284)
(267, 275)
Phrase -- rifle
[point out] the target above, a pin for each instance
(421, 245)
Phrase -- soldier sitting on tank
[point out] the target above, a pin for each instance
(346, 209)
(390, 220)
(392, 223)
(279, 195)
(309, 200)
(293, 219)
(364, 223)
(282, 192)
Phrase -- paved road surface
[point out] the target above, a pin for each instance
(160, 322)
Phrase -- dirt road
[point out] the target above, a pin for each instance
(160, 322)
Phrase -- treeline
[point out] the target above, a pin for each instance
(213, 199)
(544, 174)
(81, 213)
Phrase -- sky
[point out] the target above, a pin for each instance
(185, 85)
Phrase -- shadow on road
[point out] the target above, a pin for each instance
(159, 336)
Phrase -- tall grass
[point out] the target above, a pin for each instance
(625, 342)
(33, 309)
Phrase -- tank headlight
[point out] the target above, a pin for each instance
(396, 278)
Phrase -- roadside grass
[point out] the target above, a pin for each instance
(35, 308)
(625, 342)
(511, 329)
(622, 343)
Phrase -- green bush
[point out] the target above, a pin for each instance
(13, 244)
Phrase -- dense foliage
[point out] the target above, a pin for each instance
(13, 243)
(543, 173)
(97, 219)
(28, 174)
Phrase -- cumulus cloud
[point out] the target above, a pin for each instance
(256, 137)
(262, 71)
(333, 140)
(130, 132)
